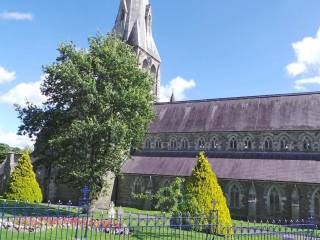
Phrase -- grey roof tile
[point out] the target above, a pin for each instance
(260, 113)
(265, 169)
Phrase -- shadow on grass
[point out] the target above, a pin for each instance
(9, 208)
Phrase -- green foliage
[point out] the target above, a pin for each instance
(205, 194)
(99, 106)
(23, 185)
(168, 198)
(4, 149)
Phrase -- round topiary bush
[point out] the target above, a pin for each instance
(23, 185)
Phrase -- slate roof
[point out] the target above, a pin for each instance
(232, 167)
(259, 113)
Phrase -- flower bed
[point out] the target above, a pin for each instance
(35, 224)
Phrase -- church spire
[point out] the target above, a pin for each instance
(172, 98)
(134, 26)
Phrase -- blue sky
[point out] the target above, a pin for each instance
(227, 47)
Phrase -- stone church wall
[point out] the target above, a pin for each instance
(130, 183)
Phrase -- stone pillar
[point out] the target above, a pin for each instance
(8, 169)
(252, 203)
(295, 205)
(149, 190)
(10, 162)
(252, 208)
(295, 211)
(105, 196)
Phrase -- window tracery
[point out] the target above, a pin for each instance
(148, 144)
(173, 144)
(268, 144)
(306, 144)
(201, 143)
(274, 199)
(214, 143)
(247, 143)
(158, 144)
(185, 144)
(233, 144)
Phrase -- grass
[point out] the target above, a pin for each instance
(151, 230)
(143, 212)
(93, 235)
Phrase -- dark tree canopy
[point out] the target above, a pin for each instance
(99, 106)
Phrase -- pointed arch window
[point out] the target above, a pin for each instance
(307, 144)
(145, 65)
(201, 143)
(214, 144)
(148, 144)
(137, 186)
(247, 143)
(185, 144)
(268, 144)
(158, 144)
(284, 144)
(235, 196)
(233, 144)
(173, 144)
(153, 72)
(274, 201)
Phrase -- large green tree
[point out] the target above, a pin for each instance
(99, 106)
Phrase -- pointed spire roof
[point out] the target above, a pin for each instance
(172, 98)
(134, 25)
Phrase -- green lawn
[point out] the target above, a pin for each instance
(155, 228)
(143, 234)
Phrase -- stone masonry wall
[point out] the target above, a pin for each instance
(128, 184)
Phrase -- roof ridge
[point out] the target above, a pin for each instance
(241, 97)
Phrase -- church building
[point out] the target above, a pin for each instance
(265, 150)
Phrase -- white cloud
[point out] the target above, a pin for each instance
(178, 85)
(6, 76)
(24, 92)
(295, 69)
(307, 53)
(14, 140)
(301, 83)
(307, 63)
(18, 16)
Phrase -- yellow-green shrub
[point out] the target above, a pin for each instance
(207, 196)
(23, 185)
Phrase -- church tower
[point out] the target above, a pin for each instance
(134, 26)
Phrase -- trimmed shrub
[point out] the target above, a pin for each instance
(205, 195)
(23, 185)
